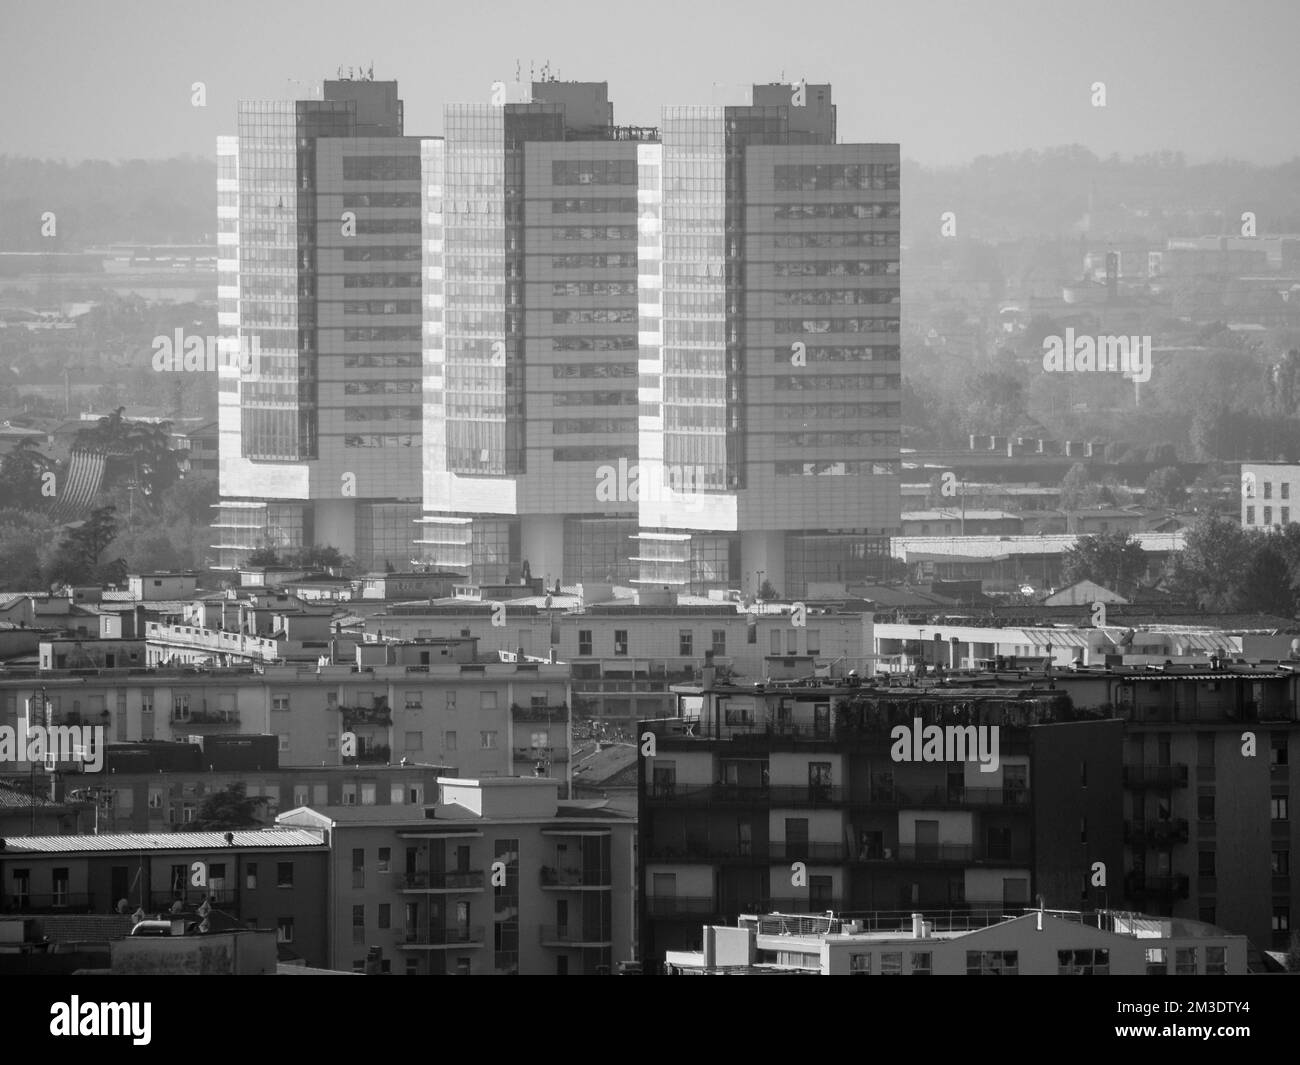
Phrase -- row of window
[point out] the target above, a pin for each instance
(594, 172)
(686, 646)
(381, 280)
(571, 343)
(593, 288)
(857, 211)
(833, 297)
(835, 177)
(625, 315)
(1283, 515)
(381, 306)
(854, 268)
(833, 468)
(594, 205)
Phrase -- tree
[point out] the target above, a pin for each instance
(20, 474)
(1110, 559)
(226, 809)
(1212, 567)
(1077, 489)
(767, 592)
(264, 556)
(1266, 581)
(1166, 487)
(79, 553)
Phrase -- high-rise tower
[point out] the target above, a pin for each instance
(319, 218)
(769, 373)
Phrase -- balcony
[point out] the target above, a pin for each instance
(205, 719)
(426, 881)
(541, 754)
(785, 851)
(569, 878)
(692, 906)
(942, 797)
(1139, 777)
(748, 794)
(437, 938)
(379, 754)
(56, 902)
(700, 850)
(1155, 833)
(943, 854)
(356, 716)
(549, 712)
(1161, 887)
(567, 935)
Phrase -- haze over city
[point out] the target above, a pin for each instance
(947, 80)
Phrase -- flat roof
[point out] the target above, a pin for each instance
(164, 841)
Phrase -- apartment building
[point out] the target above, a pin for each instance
(1268, 490)
(500, 876)
(625, 654)
(1036, 943)
(1207, 787)
(798, 798)
(428, 702)
(155, 787)
(257, 878)
(319, 293)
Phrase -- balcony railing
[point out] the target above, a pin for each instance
(785, 851)
(211, 717)
(425, 881)
(549, 712)
(1155, 833)
(1155, 776)
(572, 877)
(1169, 887)
(445, 937)
(568, 934)
(363, 715)
(835, 794)
(56, 902)
(680, 905)
(378, 754)
(541, 754)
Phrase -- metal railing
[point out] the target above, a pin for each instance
(1156, 776)
(680, 905)
(1156, 833)
(444, 937)
(568, 933)
(571, 877)
(425, 881)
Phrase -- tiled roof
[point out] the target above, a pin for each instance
(164, 841)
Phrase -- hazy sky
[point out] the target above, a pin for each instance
(948, 79)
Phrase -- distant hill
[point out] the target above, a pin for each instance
(167, 201)
(1047, 194)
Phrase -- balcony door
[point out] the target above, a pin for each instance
(927, 841)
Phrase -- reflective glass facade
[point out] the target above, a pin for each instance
(771, 362)
(320, 226)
